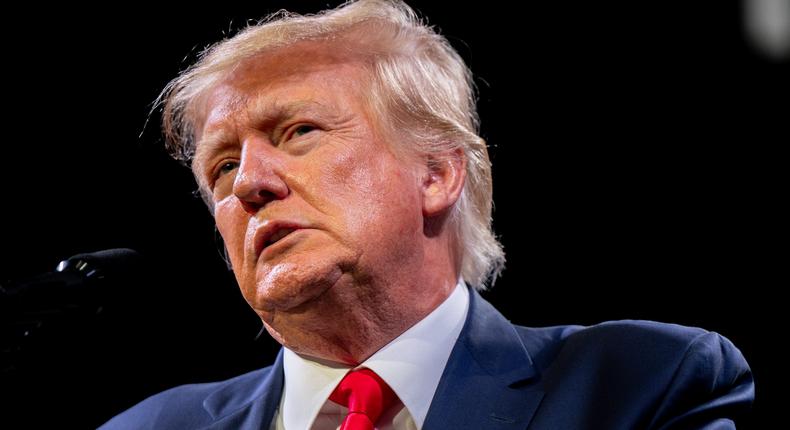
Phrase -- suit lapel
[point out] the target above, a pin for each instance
(255, 408)
(489, 381)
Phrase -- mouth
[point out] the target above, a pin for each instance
(271, 234)
(279, 234)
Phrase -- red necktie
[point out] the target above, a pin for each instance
(366, 396)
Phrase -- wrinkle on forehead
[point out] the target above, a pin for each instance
(272, 87)
(250, 79)
(360, 43)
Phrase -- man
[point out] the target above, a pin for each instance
(340, 158)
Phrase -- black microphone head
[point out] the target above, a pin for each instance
(51, 308)
(96, 265)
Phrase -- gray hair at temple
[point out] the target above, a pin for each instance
(419, 85)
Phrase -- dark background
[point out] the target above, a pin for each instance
(636, 175)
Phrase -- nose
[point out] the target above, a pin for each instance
(258, 180)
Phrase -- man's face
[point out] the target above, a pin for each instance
(312, 204)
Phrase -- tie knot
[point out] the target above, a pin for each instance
(363, 392)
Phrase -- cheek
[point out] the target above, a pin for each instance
(376, 194)
(230, 219)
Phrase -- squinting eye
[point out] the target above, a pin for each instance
(302, 130)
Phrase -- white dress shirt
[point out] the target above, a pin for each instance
(411, 364)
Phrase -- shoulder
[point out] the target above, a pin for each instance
(631, 346)
(683, 375)
(609, 337)
(183, 406)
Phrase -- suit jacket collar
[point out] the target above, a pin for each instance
(488, 382)
(235, 407)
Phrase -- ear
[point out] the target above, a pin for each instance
(442, 182)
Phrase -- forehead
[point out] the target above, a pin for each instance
(302, 74)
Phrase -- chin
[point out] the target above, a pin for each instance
(297, 277)
(288, 286)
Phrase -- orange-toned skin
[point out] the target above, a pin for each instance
(286, 138)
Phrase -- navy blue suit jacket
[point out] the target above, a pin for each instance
(615, 375)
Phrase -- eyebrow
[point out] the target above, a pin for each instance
(210, 145)
(276, 112)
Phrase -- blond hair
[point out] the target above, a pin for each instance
(419, 84)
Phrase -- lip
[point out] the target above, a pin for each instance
(269, 229)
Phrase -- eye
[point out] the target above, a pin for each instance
(301, 130)
(225, 168)
(300, 139)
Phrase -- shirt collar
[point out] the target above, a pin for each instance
(412, 364)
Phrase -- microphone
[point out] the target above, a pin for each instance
(73, 286)
(40, 309)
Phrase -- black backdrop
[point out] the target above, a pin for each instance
(635, 153)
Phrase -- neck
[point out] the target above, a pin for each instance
(363, 312)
